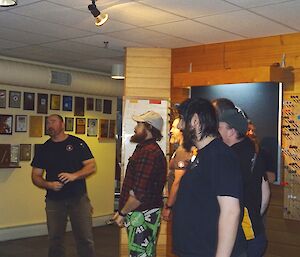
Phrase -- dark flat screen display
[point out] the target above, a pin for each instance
(262, 104)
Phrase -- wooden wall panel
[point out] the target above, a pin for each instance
(148, 73)
(283, 234)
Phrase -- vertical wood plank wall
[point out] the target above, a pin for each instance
(148, 75)
(283, 235)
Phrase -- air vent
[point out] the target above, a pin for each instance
(61, 78)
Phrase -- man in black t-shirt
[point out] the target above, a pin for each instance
(67, 161)
(233, 127)
(207, 211)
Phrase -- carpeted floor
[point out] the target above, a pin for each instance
(106, 242)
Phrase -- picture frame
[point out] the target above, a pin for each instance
(90, 104)
(69, 124)
(2, 98)
(6, 124)
(107, 106)
(104, 127)
(14, 155)
(5, 155)
(35, 126)
(45, 126)
(21, 123)
(54, 102)
(25, 152)
(42, 103)
(79, 106)
(80, 126)
(112, 129)
(92, 127)
(14, 99)
(28, 101)
(67, 103)
(98, 106)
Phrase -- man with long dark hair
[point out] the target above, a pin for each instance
(207, 211)
(141, 197)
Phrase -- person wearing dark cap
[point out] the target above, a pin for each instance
(141, 197)
(233, 126)
(207, 211)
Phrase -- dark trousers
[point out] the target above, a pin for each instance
(257, 246)
(79, 211)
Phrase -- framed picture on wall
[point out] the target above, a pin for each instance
(2, 98)
(67, 103)
(104, 126)
(80, 126)
(69, 124)
(6, 124)
(42, 103)
(112, 129)
(14, 99)
(90, 104)
(92, 128)
(25, 152)
(54, 102)
(15, 154)
(79, 106)
(36, 126)
(28, 103)
(21, 123)
(107, 106)
(98, 105)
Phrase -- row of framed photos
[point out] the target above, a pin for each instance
(11, 155)
(57, 102)
(103, 128)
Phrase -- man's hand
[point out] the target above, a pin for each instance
(119, 220)
(55, 186)
(65, 177)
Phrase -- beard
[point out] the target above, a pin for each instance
(138, 138)
(189, 138)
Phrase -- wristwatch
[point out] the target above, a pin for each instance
(122, 214)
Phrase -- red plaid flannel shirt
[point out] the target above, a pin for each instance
(146, 175)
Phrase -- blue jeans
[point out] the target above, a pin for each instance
(257, 246)
(79, 212)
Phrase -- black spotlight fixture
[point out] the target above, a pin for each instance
(101, 18)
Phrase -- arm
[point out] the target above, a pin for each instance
(265, 195)
(39, 181)
(89, 167)
(172, 194)
(131, 204)
(228, 225)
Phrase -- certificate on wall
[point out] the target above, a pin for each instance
(54, 102)
(28, 103)
(42, 104)
(2, 98)
(25, 152)
(80, 126)
(92, 128)
(36, 126)
(14, 99)
(21, 123)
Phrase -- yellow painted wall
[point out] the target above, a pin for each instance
(21, 203)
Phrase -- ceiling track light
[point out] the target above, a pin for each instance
(8, 3)
(100, 18)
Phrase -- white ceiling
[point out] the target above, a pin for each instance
(62, 32)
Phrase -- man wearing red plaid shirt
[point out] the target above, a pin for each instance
(141, 197)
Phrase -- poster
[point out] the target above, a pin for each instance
(28, 103)
(14, 99)
(42, 103)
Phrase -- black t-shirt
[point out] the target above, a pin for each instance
(65, 156)
(215, 172)
(252, 179)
